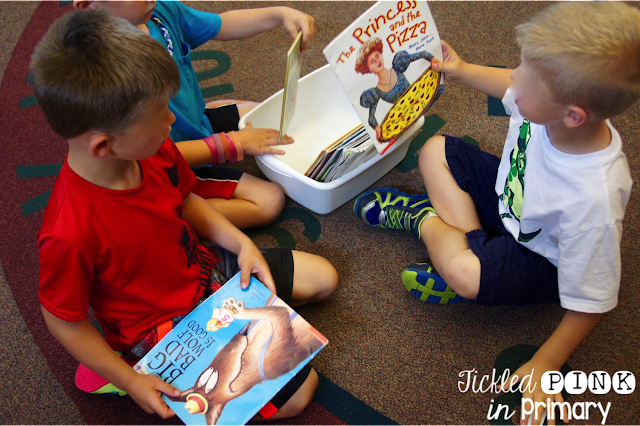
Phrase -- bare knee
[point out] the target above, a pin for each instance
(273, 202)
(463, 277)
(432, 153)
(267, 198)
(301, 399)
(314, 279)
(329, 282)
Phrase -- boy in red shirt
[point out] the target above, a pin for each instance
(120, 233)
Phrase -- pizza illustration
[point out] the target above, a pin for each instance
(414, 102)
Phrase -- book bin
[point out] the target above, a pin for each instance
(323, 113)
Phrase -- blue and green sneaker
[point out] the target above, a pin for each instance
(389, 208)
(427, 285)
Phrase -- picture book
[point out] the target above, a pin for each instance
(232, 354)
(342, 156)
(292, 75)
(383, 63)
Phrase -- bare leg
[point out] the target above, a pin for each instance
(314, 278)
(255, 202)
(243, 106)
(444, 235)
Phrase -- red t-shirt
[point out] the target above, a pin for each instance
(128, 253)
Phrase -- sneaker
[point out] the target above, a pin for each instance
(389, 208)
(427, 285)
(91, 382)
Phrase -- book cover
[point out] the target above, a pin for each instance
(383, 62)
(292, 75)
(232, 354)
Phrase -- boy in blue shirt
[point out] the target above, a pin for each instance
(543, 224)
(243, 199)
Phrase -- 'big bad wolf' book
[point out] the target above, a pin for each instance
(383, 62)
(232, 354)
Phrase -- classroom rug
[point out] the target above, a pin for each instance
(391, 359)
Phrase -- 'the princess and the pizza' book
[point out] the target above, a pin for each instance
(383, 62)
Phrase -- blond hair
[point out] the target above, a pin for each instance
(588, 53)
(93, 71)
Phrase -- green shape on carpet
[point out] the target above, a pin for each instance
(312, 227)
(512, 358)
(468, 139)
(33, 205)
(431, 125)
(38, 170)
(224, 65)
(27, 102)
(347, 407)
(282, 236)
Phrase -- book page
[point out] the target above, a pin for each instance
(292, 76)
(383, 63)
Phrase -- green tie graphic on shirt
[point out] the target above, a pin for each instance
(514, 186)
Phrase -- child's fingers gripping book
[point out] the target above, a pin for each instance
(383, 62)
(232, 354)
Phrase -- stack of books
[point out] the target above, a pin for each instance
(342, 156)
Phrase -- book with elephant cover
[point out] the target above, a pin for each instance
(383, 63)
(232, 354)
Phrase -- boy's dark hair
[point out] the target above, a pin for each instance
(93, 71)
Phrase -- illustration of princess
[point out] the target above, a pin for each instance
(392, 82)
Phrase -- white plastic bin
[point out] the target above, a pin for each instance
(323, 114)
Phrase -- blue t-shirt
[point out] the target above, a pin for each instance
(188, 29)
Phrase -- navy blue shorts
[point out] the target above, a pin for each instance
(510, 273)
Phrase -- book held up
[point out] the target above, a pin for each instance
(383, 62)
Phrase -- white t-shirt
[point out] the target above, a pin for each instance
(567, 208)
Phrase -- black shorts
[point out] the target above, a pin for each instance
(279, 259)
(224, 118)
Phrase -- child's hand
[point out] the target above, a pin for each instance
(251, 261)
(533, 391)
(295, 21)
(146, 389)
(260, 141)
(452, 65)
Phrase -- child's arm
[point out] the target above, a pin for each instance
(492, 81)
(208, 223)
(239, 24)
(571, 331)
(87, 346)
(254, 142)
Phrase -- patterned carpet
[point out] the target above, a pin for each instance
(391, 358)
